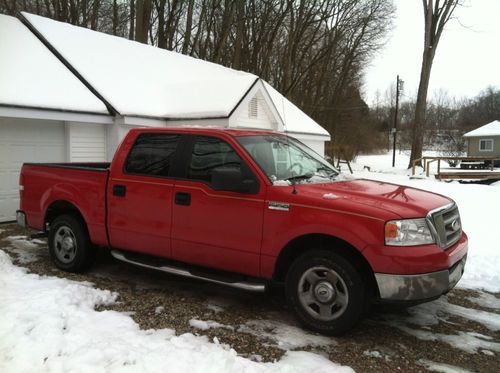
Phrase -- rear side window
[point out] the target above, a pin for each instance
(209, 153)
(152, 154)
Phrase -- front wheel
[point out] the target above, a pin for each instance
(325, 291)
(69, 244)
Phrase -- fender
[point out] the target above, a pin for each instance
(92, 210)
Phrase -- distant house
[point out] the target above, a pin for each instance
(71, 94)
(484, 141)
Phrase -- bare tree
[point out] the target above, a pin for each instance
(436, 14)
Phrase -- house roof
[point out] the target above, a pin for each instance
(490, 129)
(80, 70)
(31, 76)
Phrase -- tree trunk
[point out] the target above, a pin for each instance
(189, 25)
(142, 22)
(131, 31)
(420, 107)
(436, 14)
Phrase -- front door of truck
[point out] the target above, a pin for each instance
(140, 194)
(213, 228)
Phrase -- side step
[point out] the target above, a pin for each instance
(244, 285)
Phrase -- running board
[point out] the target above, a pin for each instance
(244, 285)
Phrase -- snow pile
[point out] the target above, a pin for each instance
(49, 324)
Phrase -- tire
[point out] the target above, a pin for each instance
(326, 292)
(69, 244)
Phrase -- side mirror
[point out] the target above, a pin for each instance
(231, 179)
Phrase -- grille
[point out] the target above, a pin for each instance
(447, 225)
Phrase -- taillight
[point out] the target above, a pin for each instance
(21, 185)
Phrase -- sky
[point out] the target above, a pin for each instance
(466, 62)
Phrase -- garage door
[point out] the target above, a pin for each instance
(25, 141)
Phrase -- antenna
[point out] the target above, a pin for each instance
(294, 190)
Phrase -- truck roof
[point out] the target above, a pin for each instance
(207, 130)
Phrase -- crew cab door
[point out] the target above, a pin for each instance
(216, 228)
(140, 193)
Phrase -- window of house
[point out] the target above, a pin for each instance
(152, 154)
(486, 145)
(210, 153)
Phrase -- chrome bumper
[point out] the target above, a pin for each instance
(421, 286)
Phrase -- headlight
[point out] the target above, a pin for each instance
(408, 232)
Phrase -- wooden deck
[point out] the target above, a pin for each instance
(460, 174)
(468, 175)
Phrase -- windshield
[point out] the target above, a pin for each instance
(286, 160)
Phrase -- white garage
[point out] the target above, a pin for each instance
(25, 141)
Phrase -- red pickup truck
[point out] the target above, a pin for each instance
(246, 209)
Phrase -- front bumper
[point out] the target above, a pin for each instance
(419, 287)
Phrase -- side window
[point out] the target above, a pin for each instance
(486, 145)
(209, 153)
(152, 154)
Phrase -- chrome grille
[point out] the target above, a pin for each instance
(447, 225)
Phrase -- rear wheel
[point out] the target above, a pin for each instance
(325, 291)
(69, 244)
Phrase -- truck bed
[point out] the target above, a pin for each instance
(79, 184)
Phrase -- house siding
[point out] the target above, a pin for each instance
(87, 142)
(473, 147)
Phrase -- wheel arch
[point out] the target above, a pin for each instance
(302, 244)
(61, 207)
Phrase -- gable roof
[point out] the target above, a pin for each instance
(490, 129)
(31, 76)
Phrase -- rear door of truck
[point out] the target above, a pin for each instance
(140, 193)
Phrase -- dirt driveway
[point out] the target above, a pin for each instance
(460, 332)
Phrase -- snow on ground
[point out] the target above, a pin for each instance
(479, 210)
(441, 368)
(486, 300)
(284, 336)
(55, 321)
(208, 324)
(422, 317)
(27, 251)
(431, 313)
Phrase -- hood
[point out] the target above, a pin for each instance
(390, 199)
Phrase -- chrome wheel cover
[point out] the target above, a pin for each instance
(65, 245)
(323, 293)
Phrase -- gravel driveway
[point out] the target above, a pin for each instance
(460, 331)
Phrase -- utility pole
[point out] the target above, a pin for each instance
(399, 88)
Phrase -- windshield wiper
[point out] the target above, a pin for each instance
(294, 179)
(328, 170)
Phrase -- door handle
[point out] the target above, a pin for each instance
(119, 190)
(183, 198)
